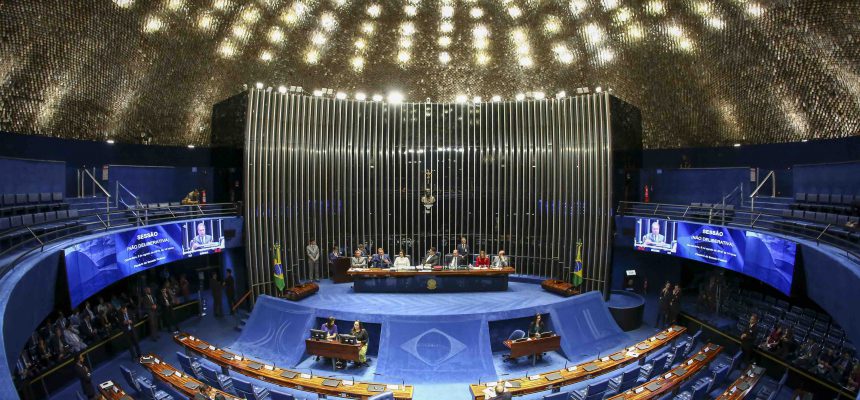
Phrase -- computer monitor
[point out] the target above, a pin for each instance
(347, 339)
(318, 334)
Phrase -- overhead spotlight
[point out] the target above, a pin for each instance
(282, 89)
(318, 93)
(395, 97)
(521, 96)
(340, 96)
(582, 90)
(737, 145)
(802, 140)
(191, 146)
(476, 99)
(496, 98)
(269, 89)
(598, 89)
(360, 96)
(110, 141)
(461, 98)
(377, 97)
(560, 95)
(539, 95)
(259, 85)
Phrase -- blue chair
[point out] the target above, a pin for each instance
(517, 334)
(169, 389)
(769, 391)
(720, 374)
(732, 363)
(691, 343)
(557, 396)
(216, 380)
(382, 396)
(276, 395)
(190, 366)
(593, 391)
(674, 352)
(129, 378)
(151, 393)
(656, 367)
(624, 381)
(250, 391)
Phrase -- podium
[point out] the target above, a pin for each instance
(339, 268)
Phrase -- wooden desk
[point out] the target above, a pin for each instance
(390, 272)
(578, 373)
(385, 280)
(288, 378)
(332, 349)
(743, 385)
(673, 379)
(532, 346)
(112, 391)
(180, 381)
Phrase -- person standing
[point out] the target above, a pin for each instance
(362, 338)
(166, 302)
(675, 305)
(129, 332)
(748, 338)
(217, 295)
(663, 305)
(463, 249)
(184, 288)
(85, 376)
(312, 253)
(151, 307)
(230, 289)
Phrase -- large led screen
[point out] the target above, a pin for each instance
(95, 264)
(764, 257)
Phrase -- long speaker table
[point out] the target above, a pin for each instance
(382, 280)
(742, 386)
(332, 349)
(533, 346)
(288, 378)
(183, 383)
(551, 380)
(669, 382)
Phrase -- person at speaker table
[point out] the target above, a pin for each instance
(431, 258)
(358, 261)
(483, 260)
(456, 259)
(330, 329)
(380, 259)
(362, 338)
(333, 255)
(654, 238)
(501, 392)
(463, 248)
(202, 239)
(501, 260)
(401, 260)
(363, 249)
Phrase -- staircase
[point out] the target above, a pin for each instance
(766, 204)
(89, 206)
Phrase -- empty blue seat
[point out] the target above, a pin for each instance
(150, 392)
(593, 391)
(769, 390)
(381, 396)
(188, 365)
(276, 395)
(557, 396)
(129, 378)
(655, 367)
(625, 381)
(248, 390)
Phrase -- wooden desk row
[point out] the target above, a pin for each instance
(391, 272)
(670, 381)
(287, 378)
(180, 381)
(112, 391)
(743, 385)
(578, 373)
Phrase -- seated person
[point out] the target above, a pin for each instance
(501, 260)
(786, 344)
(501, 393)
(333, 255)
(362, 338)
(772, 339)
(854, 378)
(456, 260)
(358, 261)
(431, 258)
(330, 329)
(654, 238)
(825, 363)
(193, 197)
(380, 259)
(536, 327)
(202, 239)
(483, 260)
(401, 260)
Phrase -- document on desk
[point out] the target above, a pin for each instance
(489, 393)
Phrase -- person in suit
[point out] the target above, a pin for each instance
(202, 239)
(362, 248)
(675, 305)
(312, 255)
(85, 376)
(501, 260)
(380, 259)
(87, 330)
(230, 289)
(483, 260)
(463, 249)
(166, 303)
(431, 258)
(150, 305)
(748, 338)
(654, 238)
(501, 393)
(217, 295)
(358, 260)
(456, 259)
(536, 327)
(663, 305)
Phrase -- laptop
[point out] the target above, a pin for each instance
(289, 374)
(375, 388)
(331, 382)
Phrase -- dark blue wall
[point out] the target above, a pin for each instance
(160, 184)
(41, 176)
(683, 186)
(841, 178)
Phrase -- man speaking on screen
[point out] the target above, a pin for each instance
(654, 238)
(202, 239)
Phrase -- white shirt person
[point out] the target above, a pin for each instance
(401, 260)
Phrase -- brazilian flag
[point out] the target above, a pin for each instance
(577, 269)
(278, 268)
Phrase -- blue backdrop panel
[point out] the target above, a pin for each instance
(432, 349)
(586, 326)
(275, 332)
(32, 176)
(843, 178)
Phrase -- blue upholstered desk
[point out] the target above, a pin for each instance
(378, 280)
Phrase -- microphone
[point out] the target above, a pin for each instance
(303, 368)
(402, 381)
(352, 377)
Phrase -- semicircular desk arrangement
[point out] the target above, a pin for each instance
(288, 378)
(670, 381)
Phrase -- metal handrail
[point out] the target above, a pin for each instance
(118, 195)
(99, 185)
(771, 175)
(768, 222)
(28, 246)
